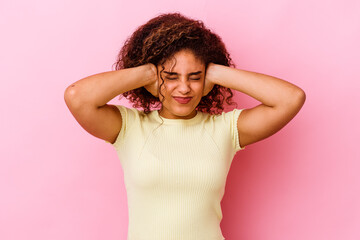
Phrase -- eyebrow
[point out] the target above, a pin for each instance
(175, 73)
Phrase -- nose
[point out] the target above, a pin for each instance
(184, 87)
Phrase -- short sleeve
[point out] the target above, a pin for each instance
(232, 119)
(128, 116)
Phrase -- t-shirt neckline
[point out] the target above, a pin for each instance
(195, 119)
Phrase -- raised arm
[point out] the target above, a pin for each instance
(280, 100)
(87, 98)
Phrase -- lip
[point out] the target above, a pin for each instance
(183, 100)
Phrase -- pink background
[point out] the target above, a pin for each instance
(58, 182)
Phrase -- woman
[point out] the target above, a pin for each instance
(176, 159)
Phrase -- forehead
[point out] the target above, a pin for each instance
(184, 60)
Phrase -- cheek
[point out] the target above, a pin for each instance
(166, 90)
(198, 87)
(169, 86)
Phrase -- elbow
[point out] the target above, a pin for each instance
(301, 97)
(70, 96)
(298, 100)
(293, 101)
(69, 91)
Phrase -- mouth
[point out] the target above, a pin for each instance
(183, 100)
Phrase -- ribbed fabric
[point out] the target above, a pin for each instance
(175, 172)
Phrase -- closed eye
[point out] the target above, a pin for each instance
(176, 78)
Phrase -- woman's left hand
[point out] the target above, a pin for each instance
(208, 85)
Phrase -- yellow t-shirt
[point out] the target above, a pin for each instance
(175, 172)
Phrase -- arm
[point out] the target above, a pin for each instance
(280, 100)
(87, 98)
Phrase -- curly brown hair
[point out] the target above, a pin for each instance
(158, 40)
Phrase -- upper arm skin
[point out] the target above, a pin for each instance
(263, 121)
(102, 122)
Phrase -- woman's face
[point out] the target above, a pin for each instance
(184, 76)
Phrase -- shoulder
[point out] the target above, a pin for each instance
(133, 122)
(223, 127)
(223, 121)
(130, 113)
(225, 117)
(133, 116)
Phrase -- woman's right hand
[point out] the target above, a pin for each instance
(153, 87)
